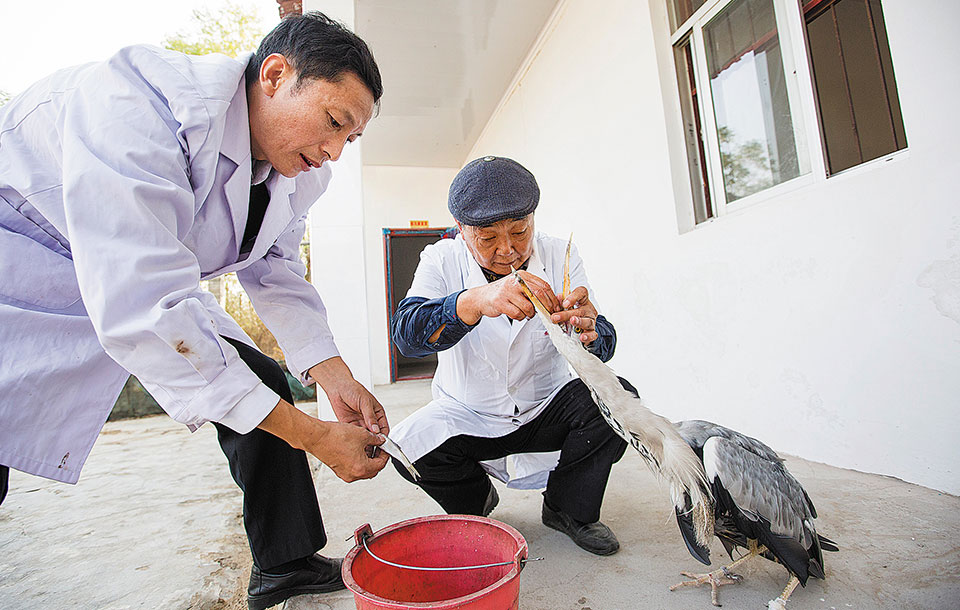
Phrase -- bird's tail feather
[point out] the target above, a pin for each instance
(826, 544)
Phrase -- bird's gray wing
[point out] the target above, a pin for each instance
(697, 431)
(759, 484)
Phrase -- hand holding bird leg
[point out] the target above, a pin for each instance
(351, 402)
(577, 310)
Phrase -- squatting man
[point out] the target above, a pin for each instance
(501, 390)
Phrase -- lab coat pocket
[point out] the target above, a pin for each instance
(544, 354)
(33, 275)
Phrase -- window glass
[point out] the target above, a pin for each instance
(856, 90)
(680, 10)
(755, 127)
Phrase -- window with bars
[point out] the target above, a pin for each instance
(742, 100)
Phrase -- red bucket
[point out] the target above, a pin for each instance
(440, 541)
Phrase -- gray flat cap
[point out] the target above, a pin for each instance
(490, 189)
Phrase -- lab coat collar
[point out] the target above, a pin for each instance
(236, 148)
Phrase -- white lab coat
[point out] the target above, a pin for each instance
(500, 375)
(122, 184)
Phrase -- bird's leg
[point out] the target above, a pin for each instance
(720, 577)
(781, 602)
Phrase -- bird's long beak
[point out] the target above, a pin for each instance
(533, 298)
(566, 270)
(566, 280)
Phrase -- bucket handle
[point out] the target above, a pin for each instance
(362, 533)
(365, 532)
(520, 559)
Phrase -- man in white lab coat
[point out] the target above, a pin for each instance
(504, 400)
(122, 185)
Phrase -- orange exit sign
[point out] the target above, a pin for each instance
(419, 224)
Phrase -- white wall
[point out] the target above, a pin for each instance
(392, 197)
(336, 247)
(825, 321)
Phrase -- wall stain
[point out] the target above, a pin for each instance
(943, 278)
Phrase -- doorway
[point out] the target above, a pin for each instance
(401, 251)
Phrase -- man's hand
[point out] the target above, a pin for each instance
(580, 312)
(351, 402)
(342, 447)
(505, 297)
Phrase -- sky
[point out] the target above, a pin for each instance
(69, 32)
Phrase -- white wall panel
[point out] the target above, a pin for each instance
(825, 321)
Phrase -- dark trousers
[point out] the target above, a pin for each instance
(572, 423)
(4, 481)
(280, 509)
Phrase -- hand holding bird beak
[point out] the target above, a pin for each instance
(583, 316)
(505, 297)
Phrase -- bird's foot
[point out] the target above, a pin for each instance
(717, 579)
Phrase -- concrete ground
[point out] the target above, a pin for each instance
(155, 523)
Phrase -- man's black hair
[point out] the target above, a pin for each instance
(318, 47)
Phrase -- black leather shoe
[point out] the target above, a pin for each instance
(493, 498)
(322, 575)
(594, 537)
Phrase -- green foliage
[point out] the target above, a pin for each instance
(746, 166)
(231, 29)
(134, 401)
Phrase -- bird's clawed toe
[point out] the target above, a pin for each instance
(716, 579)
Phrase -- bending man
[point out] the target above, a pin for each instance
(122, 185)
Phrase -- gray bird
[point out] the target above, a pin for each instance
(758, 506)
(730, 485)
(653, 436)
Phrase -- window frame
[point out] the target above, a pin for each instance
(801, 91)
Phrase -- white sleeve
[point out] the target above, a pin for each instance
(428, 279)
(288, 304)
(128, 201)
